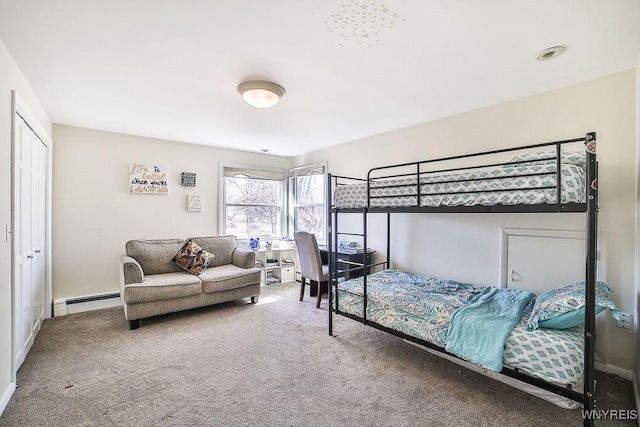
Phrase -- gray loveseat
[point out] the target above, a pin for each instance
(152, 284)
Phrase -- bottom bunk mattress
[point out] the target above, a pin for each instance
(422, 307)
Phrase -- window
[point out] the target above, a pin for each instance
(307, 194)
(253, 201)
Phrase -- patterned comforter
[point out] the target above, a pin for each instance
(488, 187)
(422, 307)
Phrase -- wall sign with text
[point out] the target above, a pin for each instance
(148, 179)
(194, 202)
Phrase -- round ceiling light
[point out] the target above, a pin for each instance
(550, 53)
(261, 94)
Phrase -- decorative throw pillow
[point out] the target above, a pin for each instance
(576, 158)
(193, 258)
(567, 320)
(561, 307)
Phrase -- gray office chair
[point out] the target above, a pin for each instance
(311, 263)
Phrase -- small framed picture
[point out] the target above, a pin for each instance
(188, 179)
(194, 202)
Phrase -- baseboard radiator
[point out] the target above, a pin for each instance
(64, 306)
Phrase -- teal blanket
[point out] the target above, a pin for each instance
(479, 329)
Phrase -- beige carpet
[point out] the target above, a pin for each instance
(270, 364)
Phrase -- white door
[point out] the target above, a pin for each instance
(539, 260)
(29, 237)
(538, 263)
(38, 229)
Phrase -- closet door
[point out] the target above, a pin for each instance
(29, 226)
(37, 234)
(41, 233)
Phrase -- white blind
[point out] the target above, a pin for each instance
(318, 168)
(250, 172)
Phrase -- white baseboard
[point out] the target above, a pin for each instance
(64, 306)
(610, 369)
(6, 397)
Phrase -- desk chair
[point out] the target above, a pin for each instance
(310, 263)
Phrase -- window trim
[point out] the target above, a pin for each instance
(222, 215)
(304, 170)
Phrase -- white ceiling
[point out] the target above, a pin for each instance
(169, 68)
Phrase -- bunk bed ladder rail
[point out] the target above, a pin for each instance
(590, 278)
(332, 244)
(558, 176)
(332, 267)
(418, 185)
(365, 267)
(333, 247)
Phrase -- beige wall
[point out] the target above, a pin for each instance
(11, 78)
(440, 244)
(94, 215)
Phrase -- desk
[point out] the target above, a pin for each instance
(348, 257)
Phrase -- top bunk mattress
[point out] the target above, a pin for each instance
(506, 185)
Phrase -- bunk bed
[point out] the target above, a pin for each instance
(546, 177)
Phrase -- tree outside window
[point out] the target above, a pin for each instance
(253, 203)
(307, 188)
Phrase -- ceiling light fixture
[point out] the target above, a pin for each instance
(261, 94)
(550, 53)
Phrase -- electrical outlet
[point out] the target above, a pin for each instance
(626, 321)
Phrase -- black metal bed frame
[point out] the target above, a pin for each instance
(589, 207)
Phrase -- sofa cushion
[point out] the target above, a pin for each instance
(155, 256)
(227, 277)
(221, 246)
(193, 258)
(163, 287)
